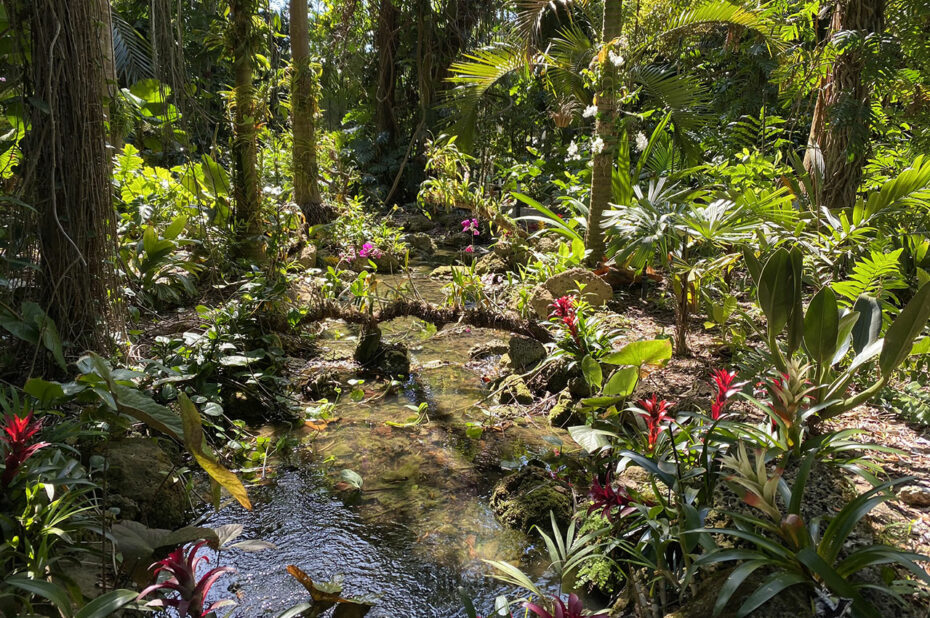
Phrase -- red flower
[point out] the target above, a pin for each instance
(183, 580)
(726, 388)
(17, 433)
(574, 609)
(564, 309)
(606, 498)
(654, 412)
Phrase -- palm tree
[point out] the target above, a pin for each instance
(621, 66)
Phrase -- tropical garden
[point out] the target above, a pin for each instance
(451, 308)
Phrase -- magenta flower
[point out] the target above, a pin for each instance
(470, 225)
(606, 498)
(727, 386)
(369, 250)
(17, 434)
(574, 609)
(191, 591)
(469, 249)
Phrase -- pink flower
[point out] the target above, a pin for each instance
(469, 249)
(471, 225)
(17, 434)
(574, 608)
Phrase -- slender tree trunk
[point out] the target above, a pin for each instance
(110, 84)
(303, 119)
(70, 181)
(386, 45)
(838, 141)
(246, 194)
(605, 137)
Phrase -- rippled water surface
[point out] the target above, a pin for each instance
(421, 527)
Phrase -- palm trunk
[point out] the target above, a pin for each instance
(838, 147)
(605, 137)
(246, 194)
(303, 119)
(110, 85)
(70, 186)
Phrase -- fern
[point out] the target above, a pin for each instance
(876, 275)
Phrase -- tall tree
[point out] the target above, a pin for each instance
(246, 193)
(110, 85)
(386, 41)
(604, 146)
(303, 118)
(838, 141)
(69, 174)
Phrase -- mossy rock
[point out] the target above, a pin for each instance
(490, 263)
(564, 413)
(142, 481)
(514, 390)
(445, 272)
(525, 498)
(525, 352)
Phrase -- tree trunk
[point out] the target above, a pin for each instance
(838, 141)
(70, 184)
(303, 119)
(386, 45)
(110, 83)
(247, 214)
(605, 137)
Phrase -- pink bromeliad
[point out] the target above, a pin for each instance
(191, 592)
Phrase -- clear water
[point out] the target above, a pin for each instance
(421, 527)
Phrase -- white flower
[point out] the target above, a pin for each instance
(641, 142)
(590, 111)
(615, 59)
(573, 150)
(597, 146)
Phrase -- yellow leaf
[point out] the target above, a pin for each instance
(193, 440)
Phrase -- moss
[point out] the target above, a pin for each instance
(563, 413)
(525, 498)
(514, 390)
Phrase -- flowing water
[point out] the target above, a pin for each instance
(421, 526)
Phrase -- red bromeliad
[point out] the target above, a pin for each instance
(191, 592)
(654, 412)
(726, 384)
(564, 309)
(17, 433)
(574, 609)
(606, 498)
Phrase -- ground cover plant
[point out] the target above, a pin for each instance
(401, 308)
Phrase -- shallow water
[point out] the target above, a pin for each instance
(421, 526)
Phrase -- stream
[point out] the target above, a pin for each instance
(421, 526)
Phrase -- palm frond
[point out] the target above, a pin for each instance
(132, 53)
(532, 13)
(569, 54)
(473, 76)
(722, 13)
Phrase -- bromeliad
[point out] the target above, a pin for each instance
(726, 384)
(574, 609)
(654, 412)
(192, 592)
(17, 435)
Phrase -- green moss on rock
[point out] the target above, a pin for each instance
(525, 498)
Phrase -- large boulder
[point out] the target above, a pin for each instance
(540, 300)
(144, 484)
(525, 352)
(490, 263)
(525, 498)
(595, 290)
(421, 244)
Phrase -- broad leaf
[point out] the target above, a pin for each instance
(821, 326)
(869, 325)
(639, 353)
(622, 382)
(902, 332)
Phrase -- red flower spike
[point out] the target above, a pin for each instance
(17, 433)
(654, 412)
(726, 384)
(183, 580)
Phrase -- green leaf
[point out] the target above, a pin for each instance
(737, 577)
(902, 332)
(833, 580)
(775, 290)
(352, 477)
(774, 584)
(869, 325)
(622, 382)
(106, 604)
(593, 374)
(56, 594)
(195, 443)
(752, 264)
(589, 438)
(639, 353)
(821, 326)
(137, 404)
(921, 346)
(43, 390)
